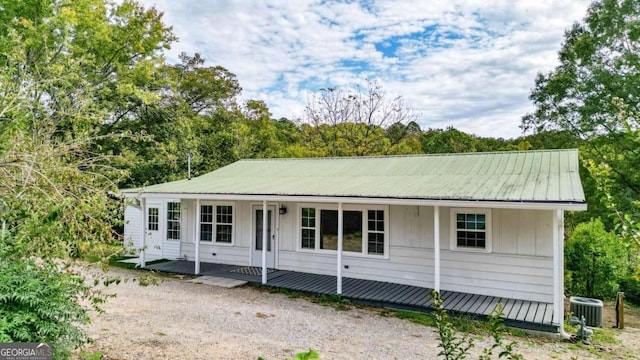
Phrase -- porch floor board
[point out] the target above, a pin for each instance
(518, 313)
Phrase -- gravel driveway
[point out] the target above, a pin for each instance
(181, 320)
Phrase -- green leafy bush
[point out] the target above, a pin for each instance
(631, 287)
(596, 261)
(39, 303)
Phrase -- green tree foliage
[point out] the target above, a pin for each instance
(196, 113)
(340, 122)
(257, 133)
(68, 71)
(599, 68)
(436, 141)
(614, 166)
(595, 261)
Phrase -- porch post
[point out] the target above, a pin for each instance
(143, 203)
(197, 259)
(436, 248)
(558, 266)
(339, 260)
(264, 241)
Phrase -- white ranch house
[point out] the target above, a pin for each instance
(497, 220)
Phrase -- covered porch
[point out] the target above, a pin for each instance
(523, 314)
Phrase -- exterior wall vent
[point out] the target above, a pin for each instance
(591, 309)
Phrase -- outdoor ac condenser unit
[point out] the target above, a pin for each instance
(591, 309)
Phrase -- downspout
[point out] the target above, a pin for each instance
(558, 278)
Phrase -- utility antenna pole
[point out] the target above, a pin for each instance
(189, 165)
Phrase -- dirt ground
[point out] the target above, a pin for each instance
(182, 320)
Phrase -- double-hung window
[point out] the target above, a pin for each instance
(173, 221)
(216, 223)
(363, 230)
(471, 229)
(308, 228)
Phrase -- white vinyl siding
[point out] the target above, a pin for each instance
(520, 265)
(132, 227)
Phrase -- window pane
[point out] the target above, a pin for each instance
(223, 233)
(206, 213)
(224, 214)
(376, 243)
(471, 239)
(329, 229)
(352, 231)
(259, 229)
(206, 232)
(308, 239)
(152, 221)
(376, 220)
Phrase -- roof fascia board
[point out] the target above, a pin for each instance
(378, 201)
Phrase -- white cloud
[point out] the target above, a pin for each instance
(472, 68)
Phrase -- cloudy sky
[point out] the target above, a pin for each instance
(462, 63)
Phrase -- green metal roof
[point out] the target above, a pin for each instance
(517, 176)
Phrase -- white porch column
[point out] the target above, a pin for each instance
(339, 260)
(436, 248)
(197, 259)
(558, 267)
(143, 204)
(264, 241)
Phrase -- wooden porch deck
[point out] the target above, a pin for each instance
(524, 314)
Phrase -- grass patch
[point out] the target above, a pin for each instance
(335, 301)
(461, 323)
(90, 355)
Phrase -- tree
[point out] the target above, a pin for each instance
(195, 114)
(621, 200)
(354, 123)
(257, 132)
(599, 63)
(596, 261)
(436, 141)
(68, 70)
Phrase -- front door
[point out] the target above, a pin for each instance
(154, 231)
(257, 238)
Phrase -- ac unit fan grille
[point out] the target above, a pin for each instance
(591, 309)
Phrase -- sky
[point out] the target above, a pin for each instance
(469, 64)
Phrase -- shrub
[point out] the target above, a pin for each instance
(631, 287)
(39, 303)
(595, 260)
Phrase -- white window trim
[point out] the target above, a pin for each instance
(365, 229)
(453, 226)
(214, 235)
